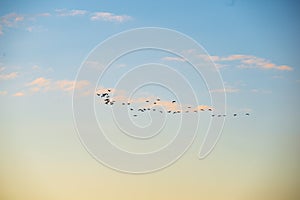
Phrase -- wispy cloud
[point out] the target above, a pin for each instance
(107, 16)
(65, 12)
(261, 91)
(15, 20)
(9, 76)
(19, 94)
(249, 61)
(42, 84)
(169, 58)
(11, 19)
(226, 90)
(3, 93)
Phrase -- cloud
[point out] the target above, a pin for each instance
(249, 61)
(14, 20)
(11, 19)
(226, 90)
(107, 16)
(19, 94)
(178, 59)
(43, 14)
(3, 93)
(9, 76)
(65, 12)
(261, 91)
(284, 68)
(42, 84)
(67, 85)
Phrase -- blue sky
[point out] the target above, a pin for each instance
(254, 44)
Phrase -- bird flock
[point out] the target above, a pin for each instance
(151, 106)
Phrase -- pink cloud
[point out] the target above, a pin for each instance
(9, 76)
(284, 68)
(249, 61)
(40, 82)
(19, 94)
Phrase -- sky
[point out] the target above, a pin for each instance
(45, 45)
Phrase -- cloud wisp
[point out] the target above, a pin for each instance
(249, 61)
(7, 76)
(43, 84)
(16, 20)
(107, 16)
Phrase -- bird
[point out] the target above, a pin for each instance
(131, 108)
(173, 101)
(212, 115)
(135, 115)
(158, 99)
(147, 101)
(247, 114)
(108, 90)
(104, 94)
(234, 114)
(202, 109)
(169, 111)
(123, 103)
(209, 109)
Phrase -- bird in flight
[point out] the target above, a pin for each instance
(108, 101)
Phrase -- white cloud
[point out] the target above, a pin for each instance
(178, 59)
(261, 91)
(226, 90)
(107, 16)
(65, 12)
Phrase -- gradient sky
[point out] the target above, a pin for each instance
(255, 45)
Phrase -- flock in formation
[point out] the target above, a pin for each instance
(108, 101)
